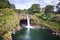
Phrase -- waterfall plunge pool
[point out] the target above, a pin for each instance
(34, 34)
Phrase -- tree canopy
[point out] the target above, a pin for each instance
(35, 8)
(48, 8)
(5, 4)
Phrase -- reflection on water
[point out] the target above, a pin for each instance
(34, 34)
(26, 36)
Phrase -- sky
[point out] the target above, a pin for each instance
(25, 4)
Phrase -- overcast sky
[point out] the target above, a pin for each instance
(25, 4)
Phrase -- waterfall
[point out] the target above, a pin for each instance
(28, 23)
(27, 36)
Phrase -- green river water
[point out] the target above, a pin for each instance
(34, 34)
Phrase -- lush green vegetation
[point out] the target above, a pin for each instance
(5, 4)
(49, 20)
(47, 16)
(48, 8)
(8, 20)
(35, 8)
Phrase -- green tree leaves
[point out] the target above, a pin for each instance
(5, 4)
(8, 20)
(48, 8)
(35, 8)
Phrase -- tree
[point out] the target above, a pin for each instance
(25, 11)
(21, 11)
(4, 4)
(35, 8)
(48, 8)
(17, 10)
(58, 7)
(30, 11)
(12, 6)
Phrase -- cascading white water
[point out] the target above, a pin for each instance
(28, 23)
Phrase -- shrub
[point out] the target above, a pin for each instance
(8, 20)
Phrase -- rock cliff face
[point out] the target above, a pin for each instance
(33, 19)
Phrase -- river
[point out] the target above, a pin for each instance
(34, 34)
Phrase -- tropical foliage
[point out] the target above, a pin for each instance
(48, 8)
(8, 20)
(35, 8)
(49, 20)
